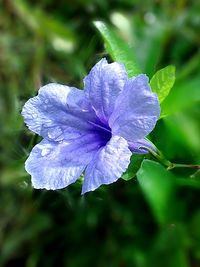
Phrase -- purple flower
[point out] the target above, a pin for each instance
(94, 130)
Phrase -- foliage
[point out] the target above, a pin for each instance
(163, 81)
(118, 49)
(151, 220)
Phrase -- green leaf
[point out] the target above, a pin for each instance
(183, 95)
(171, 244)
(162, 82)
(157, 185)
(189, 182)
(133, 167)
(118, 48)
(196, 176)
(183, 127)
(151, 36)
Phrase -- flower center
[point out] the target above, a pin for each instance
(102, 130)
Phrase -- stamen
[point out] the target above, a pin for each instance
(99, 126)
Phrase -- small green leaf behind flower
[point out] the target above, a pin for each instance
(162, 82)
(118, 49)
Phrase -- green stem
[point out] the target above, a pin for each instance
(160, 157)
(177, 165)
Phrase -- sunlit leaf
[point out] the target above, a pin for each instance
(157, 185)
(118, 48)
(162, 82)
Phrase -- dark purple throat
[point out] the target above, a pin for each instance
(102, 131)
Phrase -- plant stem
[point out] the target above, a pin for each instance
(160, 157)
(177, 165)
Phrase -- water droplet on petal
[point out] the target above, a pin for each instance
(46, 101)
(34, 115)
(45, 152)
(55, 134)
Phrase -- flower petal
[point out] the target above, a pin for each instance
(107, 165)
(142, 146)
(56, 113)
(103, 85)
(136, 111)
(55, 165)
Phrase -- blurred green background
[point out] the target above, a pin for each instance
(117, 225)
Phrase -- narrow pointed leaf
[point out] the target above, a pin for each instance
(118, 48)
